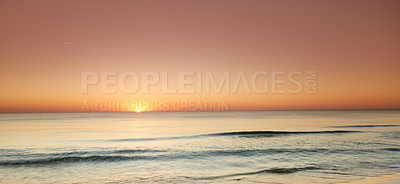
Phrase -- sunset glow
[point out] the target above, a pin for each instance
(45, 49)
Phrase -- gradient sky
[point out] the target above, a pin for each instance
(353, 45)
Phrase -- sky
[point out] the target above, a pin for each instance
(353, 46)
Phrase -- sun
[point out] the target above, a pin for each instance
(139, 109)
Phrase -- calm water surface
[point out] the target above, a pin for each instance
(199, 147)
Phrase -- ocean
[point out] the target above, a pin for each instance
(330, 146)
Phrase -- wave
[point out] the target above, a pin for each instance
(391, 149)
(154, 138)
(364, 126)
(78, 153)
(264, 171)
(272, 133)
(130, 155)
(71, 159)
(251, 152)
(240, 134)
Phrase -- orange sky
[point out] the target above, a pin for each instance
(353, 45)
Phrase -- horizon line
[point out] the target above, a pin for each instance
(202, 111)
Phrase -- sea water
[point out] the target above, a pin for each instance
(199, 147)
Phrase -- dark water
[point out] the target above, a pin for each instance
(199, 147)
